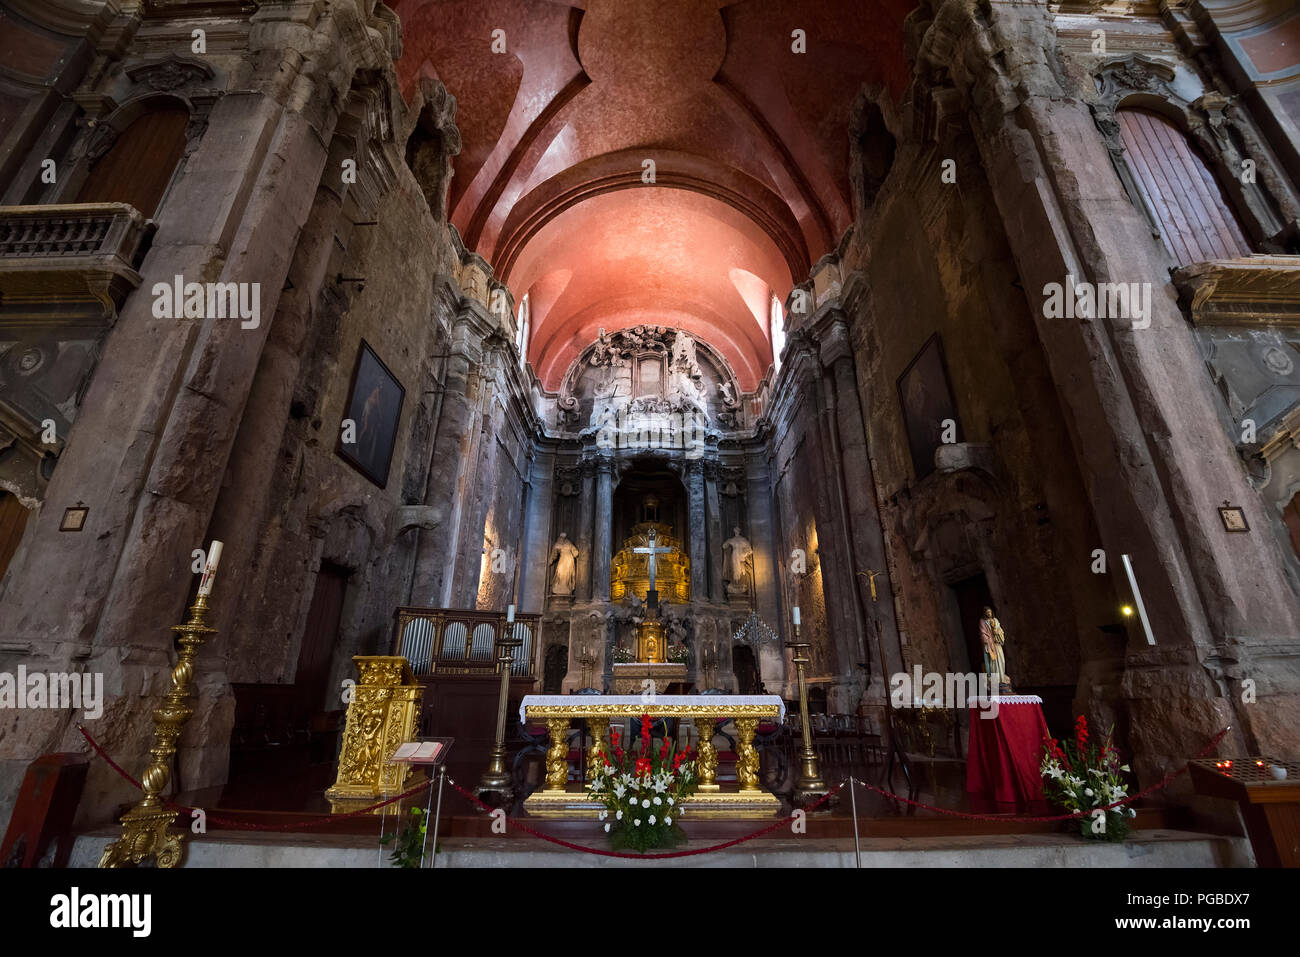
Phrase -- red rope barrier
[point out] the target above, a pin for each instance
(1056, 817)
(650, 857)
(244, 825)
(241, 825)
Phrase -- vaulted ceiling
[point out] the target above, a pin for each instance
(748, 140)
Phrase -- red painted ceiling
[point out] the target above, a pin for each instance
(749, 141)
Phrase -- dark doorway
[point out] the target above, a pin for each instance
(973, 597)
(318, 638)
(554, 668)
(743, 664)
(650, 480)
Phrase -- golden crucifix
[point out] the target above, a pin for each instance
(871, 580)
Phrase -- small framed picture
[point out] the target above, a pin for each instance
(1234, 518)
(74, 518)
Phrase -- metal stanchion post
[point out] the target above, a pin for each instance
(853, 800)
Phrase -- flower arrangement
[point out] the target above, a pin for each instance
(642, 792)
(1085, 777)
(623, 655)
(679, 654)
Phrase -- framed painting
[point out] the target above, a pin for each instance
(368, 433)
(925, 395)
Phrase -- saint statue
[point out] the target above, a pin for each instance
(995, 659)
(737, 552)
(564, 556)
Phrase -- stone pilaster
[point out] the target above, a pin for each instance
(698, 537)
(604, 519)
(586, 518)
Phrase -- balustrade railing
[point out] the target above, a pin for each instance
(451, 641)
(78, 229)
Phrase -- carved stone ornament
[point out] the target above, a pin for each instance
(171, 73)
(1134, 74)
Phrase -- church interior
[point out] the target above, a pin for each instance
(735, 377)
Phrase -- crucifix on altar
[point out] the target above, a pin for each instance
(651, 596)
(650, 642)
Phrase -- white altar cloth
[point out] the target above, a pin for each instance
(720, 701)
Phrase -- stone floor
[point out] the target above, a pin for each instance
(1152, 848)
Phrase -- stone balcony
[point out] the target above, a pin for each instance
(64, 273)
(69, 263)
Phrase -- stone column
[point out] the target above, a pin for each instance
(454, 449)
(866, 537)
(604, 518)
(586, 510)
(697, 531)
(713, 509)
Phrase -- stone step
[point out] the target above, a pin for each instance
(1153, 848)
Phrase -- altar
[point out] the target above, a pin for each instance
(706, 712)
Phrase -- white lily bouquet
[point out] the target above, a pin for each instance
(642, 792)
(1083, 777)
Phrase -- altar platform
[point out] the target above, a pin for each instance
(1156, 848)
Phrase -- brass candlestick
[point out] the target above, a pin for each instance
(145, 827)
(496, 780)
(810, 786)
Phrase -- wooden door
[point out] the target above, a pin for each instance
(140, 164)
(1195, 220)
(13, 521)
(318, 639)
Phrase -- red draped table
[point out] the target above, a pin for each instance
(1005, 753)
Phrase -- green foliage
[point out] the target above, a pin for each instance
(408, 840)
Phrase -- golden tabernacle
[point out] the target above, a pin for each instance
(630, 571)
(382, 714)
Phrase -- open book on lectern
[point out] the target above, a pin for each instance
(418, 752)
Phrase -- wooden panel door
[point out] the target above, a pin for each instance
(318, 638)
(141, 162)
(13, 521)
(1195, 220)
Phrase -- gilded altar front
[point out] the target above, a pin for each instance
(708, 715)
(630, 571)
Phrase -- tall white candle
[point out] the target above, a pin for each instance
(510, 613)
(210, 572)
(796, 614)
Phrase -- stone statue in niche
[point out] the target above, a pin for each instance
(564, 556)
(737, 552)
